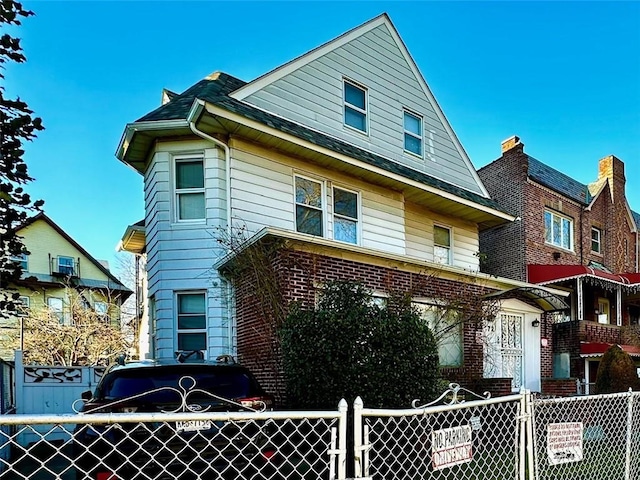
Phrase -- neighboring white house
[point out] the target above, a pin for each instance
(344, 154)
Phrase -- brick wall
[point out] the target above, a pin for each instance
(300, 273)
(563, 387)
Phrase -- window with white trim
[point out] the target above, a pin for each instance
(25, 303)
(345, 215)
(22, 260)
(309, 206)
(66, 265)
(412, 133)
(441, 245)
(56, 307)
(191, 321)
(596, 240)
(447, 329)
(355, 106)
(558, 230)
(189, 189)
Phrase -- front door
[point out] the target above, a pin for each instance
(511, 347)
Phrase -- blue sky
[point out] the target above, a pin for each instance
(565, 77)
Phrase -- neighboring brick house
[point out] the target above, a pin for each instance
(344, 157)
(580, 238)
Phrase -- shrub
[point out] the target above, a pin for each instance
(617, 372)
(349, 346)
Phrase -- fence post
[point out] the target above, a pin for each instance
(19, 381)
(627, 467)
(529, 439)
(358, 405)
(342, 440)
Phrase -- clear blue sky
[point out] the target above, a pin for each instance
(565, 77)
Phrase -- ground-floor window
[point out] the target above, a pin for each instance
(192, 321)
(446, 327)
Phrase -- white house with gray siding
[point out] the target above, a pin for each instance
(343, 151)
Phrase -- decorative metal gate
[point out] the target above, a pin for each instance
(511, 347)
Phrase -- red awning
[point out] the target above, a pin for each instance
(597, 349)
(543, 274)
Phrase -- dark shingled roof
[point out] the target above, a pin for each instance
(564, 184)
(217, 90)
(558, 181)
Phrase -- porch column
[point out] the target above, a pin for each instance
(580, 300)
(619, 306)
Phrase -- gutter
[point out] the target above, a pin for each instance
(194, 114)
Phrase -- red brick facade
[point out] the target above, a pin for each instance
(300, 273)
(513, 182)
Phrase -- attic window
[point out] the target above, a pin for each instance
(355, 106)
(412, 133)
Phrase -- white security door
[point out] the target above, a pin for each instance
(511, 347)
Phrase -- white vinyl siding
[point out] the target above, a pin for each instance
(313, 95)
(558, 230)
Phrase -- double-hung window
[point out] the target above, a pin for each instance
(56, 307)
(309, 206)
(66, 265)
(192, 321)
(189, 189)
(355, 106)
(412, 133)
(441, 245)
(596, 240)
(345, 215)
(558, 230)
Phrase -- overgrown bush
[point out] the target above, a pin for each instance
(349, 346)
(616, 372)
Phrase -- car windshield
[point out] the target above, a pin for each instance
(165, 385)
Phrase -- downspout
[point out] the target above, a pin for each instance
(227, 159)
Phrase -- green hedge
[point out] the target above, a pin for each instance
(349, 346)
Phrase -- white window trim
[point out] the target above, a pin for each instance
(177, 192)
(345, 104)
(447, 227)
(323, 204)
(599, 241)
(571, 233)
(406, 111)
(72, 265)
(358, 219)
(190, 330)
(440, 304)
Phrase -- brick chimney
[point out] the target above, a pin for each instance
(612, 168)
(512, 143)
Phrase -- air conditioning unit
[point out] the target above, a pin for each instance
(603, 318)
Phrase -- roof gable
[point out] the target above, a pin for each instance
(112, 282)
(309, 91)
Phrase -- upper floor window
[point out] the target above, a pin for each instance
(558, 230)
(596, 240)
(355, 106)
(22, 260)
(192, 321)
(412, 133)
(189, 189)
(66, 265)
(345, 216)
(309, 206)
(442, 245)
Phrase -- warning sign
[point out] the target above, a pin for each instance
(564, 442)
(451, 446)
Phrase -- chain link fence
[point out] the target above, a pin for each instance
(587, 438)
(479, 439)
(163, 446)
